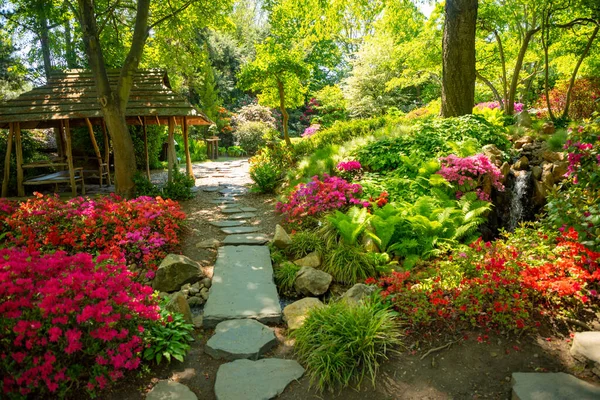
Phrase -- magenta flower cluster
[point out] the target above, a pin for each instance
(518, 107)
(468, 173)
(348, 166)
(311, 130)
(319, 196)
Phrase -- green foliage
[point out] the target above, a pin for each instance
(268, 167)
(236, 151)
(180, 187)
(208, 94)
(331, 106)
(156, 137)
(143, 187)
(350, 225)
(341, 344)
(251, 135)
(348, 264)
(285, 276)
(168, 338)
(557, 141)
(304, 243)
(266, 177)
(198, 150)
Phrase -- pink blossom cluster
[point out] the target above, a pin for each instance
(68, 319)
(518, 107)
(468, 173)
(311, 130)
(319, 196)
(580, 154)
(348, 166)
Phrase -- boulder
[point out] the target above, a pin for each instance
(522, 141)
(539, 193)
(548, 128)
(312, 282)
(559, 169)
(281, 239)
(357, 293)
(295, 313)
(493, 153)
(175, 271)
(586, 346)
(524, 119)
(312, 260)
(551, 386)
(551, 156)
(170, 390)
(197, 320)
(206, 282)
(536, 171)
(208, 244)
(521, 164)
(505, 169)
(178, 303)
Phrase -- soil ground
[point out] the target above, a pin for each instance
(468, 369)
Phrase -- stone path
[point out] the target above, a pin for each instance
(243, 297)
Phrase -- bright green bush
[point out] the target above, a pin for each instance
(266, 177)
(250, 135)
(285, 276)
(348, 264)
(198, 150)
(270, 164)
(180, 188)
(341, 344)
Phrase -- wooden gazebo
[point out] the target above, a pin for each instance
(69, 99)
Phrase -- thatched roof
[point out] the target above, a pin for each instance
(72, 95)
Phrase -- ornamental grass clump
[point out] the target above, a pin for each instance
(69, 322)
(285, 276)
(341, 344)
(305, 242)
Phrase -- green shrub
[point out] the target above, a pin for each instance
(170, 340)
(198, 150)
(180, 188)
(269, 165)
(304, 243)
(342, 344)
(143, 187)
(156, 137)
(250, 135)
(348, 264)
(266, 177)
(557, 141)
(285, 276)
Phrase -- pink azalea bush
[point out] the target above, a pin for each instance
(68, 321)
(518, 107)
(319, 196)
(349, 170)
(311, 130)
(469, 174)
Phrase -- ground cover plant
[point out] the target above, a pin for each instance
(141, 230)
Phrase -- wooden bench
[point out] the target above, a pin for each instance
(55, 177)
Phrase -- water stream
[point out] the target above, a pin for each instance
(518, 199)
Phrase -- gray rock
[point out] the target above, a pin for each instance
(170, 390)
(204, 293)
(196, 301)
(222, 201)
(206, 282)
(248, 209)
(524, 119)
(521, 164)
(536, 171)
(208, 243)
(312, 260)
(242, 216)
(255, 380)
(312, 282)
(179, 304)
(240, 338)
(175, 271)
(240, 229)
(586, 346)
(357, 293)
(551, 386)
(227, 223)
(246, 239)
(281, 239)
(210, 188)
(197, 321)
(235, 210)
(294, 314)
(242, 287)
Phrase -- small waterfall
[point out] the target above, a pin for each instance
(518, 199)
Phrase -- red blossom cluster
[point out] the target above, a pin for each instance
(68, 320)
(497, 285)
(142, 230)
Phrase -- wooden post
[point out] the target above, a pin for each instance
(7, 160)
(186, 145)
(96, 148)
(70, 157)
(106, 152)
(146, 148)
(60, 144)
(19, 153)
(171, 149)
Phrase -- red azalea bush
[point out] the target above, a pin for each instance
(508, 284)
(584, 96)
(142, 230)
(68, 321)
(319, 196)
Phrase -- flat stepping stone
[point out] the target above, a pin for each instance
(551, 386)
(232, 210)
(210, 188)
(233, 190)
(239, 339)
(248, 209)
(240, 229)
(242, 216)
(246, 239)
(227, 223)
(255, 380)
(222, 201)
(229, 206)
(242, 287)
(170, 390)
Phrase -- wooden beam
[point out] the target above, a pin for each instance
(19, 153)
(96, 148)
(170, 149)
(186, 145)
(146, 148)
(7, 160)
(106, 152)
(70, 158)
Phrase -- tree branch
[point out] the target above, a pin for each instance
(109, 13)
(174, 13)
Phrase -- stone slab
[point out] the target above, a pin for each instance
(245, 239)
(248, 209)
(242, 287)
(551, 386)
(586, 346)
(222, 201)
(229, 206)
(210, 188)
(227, 223)
(235, 210)
(240, 229)
(170, 390)
(255, 380)
(242, 216)
(239, 339)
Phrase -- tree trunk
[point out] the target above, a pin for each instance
(458, 50)
(284, 114)
(574, 74)
(510, 106)
(545, 45)
(504, 101)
